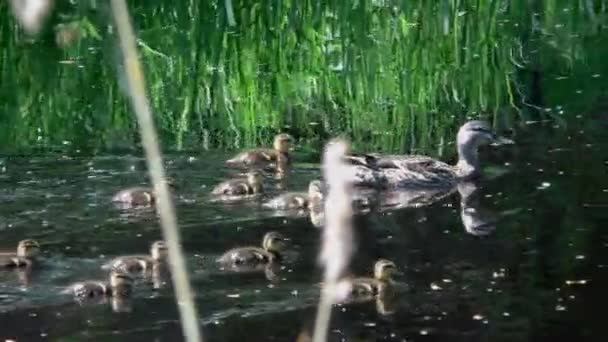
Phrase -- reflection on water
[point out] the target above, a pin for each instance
(516, 256)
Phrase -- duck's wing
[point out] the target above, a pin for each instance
(244, 255)
(10, 260)
(88, 289)
(253, 157)
(232, 187)
(290, 200)
(129, 263)
(416, 170)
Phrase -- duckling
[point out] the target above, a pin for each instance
(272, 245)
(276, 158)
(363, 288)
(27, 250)
(411, 171)
(298, 200)
(241, 186)
(139, 196)
(136, 264)
(120, 285)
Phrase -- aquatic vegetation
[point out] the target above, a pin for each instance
(391, 75)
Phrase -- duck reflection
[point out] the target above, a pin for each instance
(476, 219)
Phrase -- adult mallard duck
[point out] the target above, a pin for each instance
(298, 200)
(272, 246)
(365, 288)
(277, 158)
(119, 285)
(27, 250)
(138, 264)
(138, 196)
(250, 185)
(411, 171)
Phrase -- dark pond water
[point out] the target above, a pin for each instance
(536, 270)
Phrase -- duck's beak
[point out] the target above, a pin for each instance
(498, 140)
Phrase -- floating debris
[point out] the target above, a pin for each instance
(544, 185)
(435, 287)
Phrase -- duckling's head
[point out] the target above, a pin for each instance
(384, 269)
(158, 250)
(477, 133)
(274, 242)
(120, 279)
(282, 142)
(255, 178)
(28, 248)
(315, 189)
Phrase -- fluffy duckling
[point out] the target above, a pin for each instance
(139, 196)
(136, 264)
(276, 158)
(27, 250)
(298, 200)
(365, 287)
(250, 185)
(119, 285)
(272, 245)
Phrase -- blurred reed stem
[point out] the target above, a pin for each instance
(337, 242)
(168, 221)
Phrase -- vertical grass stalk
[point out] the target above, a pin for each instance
(168, 221)
(337, 244)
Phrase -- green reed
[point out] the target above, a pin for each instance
(393, 75)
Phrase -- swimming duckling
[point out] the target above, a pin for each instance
(139, 196)
(411, 171)
(136, 264)
(241, 186)
(298, 200)
(363, 288)
(276, 158)
(120, 285)
(272, 245)
(27, 250)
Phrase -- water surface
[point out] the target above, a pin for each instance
(536, 273)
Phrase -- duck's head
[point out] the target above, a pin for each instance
(255, 178)
(158, 250)
(28, 248)
(282, 142)
(120, 279)
(477, 133)
(385, 269)
(274, 242)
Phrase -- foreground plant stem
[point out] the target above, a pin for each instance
(164, 205)
(337, 244)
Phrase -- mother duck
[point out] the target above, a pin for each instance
(414, 171)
